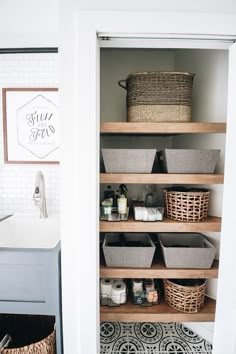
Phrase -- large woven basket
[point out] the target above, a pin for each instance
(184, 298)
(186, 205)
(45, 346)
(30, 334)
(158, 96)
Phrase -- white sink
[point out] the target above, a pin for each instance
(24, 231)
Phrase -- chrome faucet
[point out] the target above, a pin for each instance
(39, 195)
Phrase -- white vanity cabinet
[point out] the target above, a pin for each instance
(30, 284)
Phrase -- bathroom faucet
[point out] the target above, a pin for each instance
(39, 195)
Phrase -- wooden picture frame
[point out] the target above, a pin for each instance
(31, 129)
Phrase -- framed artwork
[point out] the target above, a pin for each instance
(31, 126)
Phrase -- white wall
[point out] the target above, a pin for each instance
(209, 6)
(17, 181)
(29, 23)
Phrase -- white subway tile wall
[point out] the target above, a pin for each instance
(17, 181)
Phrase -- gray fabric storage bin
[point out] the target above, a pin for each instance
(197, 253)
(128, 257)
(128, 160)
(189, 160)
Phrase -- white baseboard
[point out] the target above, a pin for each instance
(204, 329)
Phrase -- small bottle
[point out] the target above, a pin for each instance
(109, 193)
(106, 208)
(122, 200)
(122, 204)
(123, 189)
(150, 198)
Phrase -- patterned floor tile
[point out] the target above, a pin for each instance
(109, 332)
(186, 333)
(104, 349)
(127, 345)
(196, 343)
(180, 345)
(148, 333)
(150, 338)
(128, 328)
(168, 328)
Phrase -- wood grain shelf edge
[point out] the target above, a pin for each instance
(162, 178)
(212, 223)
(161, 128)
(158, 270)
(157, 313)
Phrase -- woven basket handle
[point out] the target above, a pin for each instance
(120, 83)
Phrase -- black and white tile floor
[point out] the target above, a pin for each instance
(150, 338)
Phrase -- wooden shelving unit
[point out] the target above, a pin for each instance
(161, 178)
(158, 270)
(161, 128)
(157, 313)
(212, 223)
(163, 312)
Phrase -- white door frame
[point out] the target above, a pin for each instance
(80, 164)
(225, 322)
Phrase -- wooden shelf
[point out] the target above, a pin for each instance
(161, 128)
(157, 313)
(158, 270)
(212, 223)
(161, 178)
(162, 312)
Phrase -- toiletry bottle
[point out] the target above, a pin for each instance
(123, 189)
(150, 198)
(122, 201)
(109, 193)
(122, 205)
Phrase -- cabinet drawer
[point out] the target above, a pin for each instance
(22, 282)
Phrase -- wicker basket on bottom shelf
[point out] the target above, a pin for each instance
(189, 299)
(189, 205)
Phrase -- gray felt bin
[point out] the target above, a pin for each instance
(128, 160)
(186, 250)
(128, 257)
(189, 160)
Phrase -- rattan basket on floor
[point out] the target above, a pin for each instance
(31, 334)
(45, 346)
(186, 205)
(189, 299)
(158, 96)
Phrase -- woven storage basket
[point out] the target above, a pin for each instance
(186, 205)
(158, 96)
(45, 346)
(184, 298)
(30, 334)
